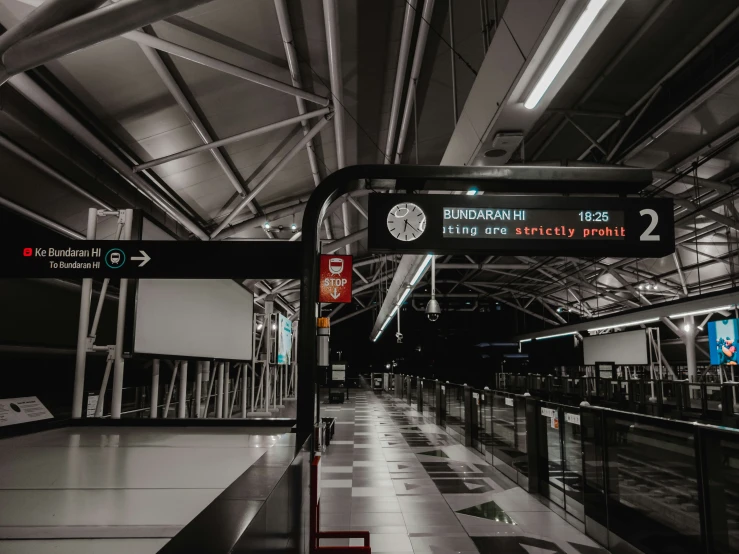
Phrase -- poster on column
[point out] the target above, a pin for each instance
(284, 340)
(22, 410)
(722, 341)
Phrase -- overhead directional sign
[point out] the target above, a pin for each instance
(534, 225)
(65, 258)
(336, 279)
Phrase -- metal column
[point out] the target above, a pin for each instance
(689, 332)
(154, 389)
(219, 392)
(84, 322)
(115, 408)
(198, 387)
(182, 400)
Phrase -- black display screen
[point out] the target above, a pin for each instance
(508, 223)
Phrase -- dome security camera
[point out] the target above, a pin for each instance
(433, 310)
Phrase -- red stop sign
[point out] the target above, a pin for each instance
(336, 279)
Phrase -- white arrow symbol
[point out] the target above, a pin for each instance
(334, 294)
(144, 258)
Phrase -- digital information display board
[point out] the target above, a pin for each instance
(538, 224)
(526, 225)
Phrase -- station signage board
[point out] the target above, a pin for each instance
(533, 225)
(57, 257)
(336, 279)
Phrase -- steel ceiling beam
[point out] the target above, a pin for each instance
(332, 247)
(655, 16)
(219, 65)
(86, 30)
(28, 87)
(50, 171)
(38, 218)
(48, 14)
(687, 58)
(410, 98)
(663, 310)
(333, 45)
(158, 64)
(234, 138)
(405, 47)
(264, 181)
(283, 19)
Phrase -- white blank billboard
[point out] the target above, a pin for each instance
(194, 318)
(627, 348)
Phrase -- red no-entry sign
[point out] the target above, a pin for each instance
(336, 279)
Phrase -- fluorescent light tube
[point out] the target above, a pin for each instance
(421, 269)
(630, 323)
(555, 336)
(472, 192)
(564, 52)
(404, 296)
(525, 340)
(706, 311)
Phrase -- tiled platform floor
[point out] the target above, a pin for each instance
(416, 490)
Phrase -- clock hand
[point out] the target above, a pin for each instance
(412, 227)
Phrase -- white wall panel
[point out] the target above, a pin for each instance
(628, 348)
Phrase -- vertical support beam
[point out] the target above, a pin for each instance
(468, 407)
(219, 392)
(182, 396)
(82, 327)
(154, 389)
(689, 332)
(198, 387)
(115, 408)
(226, 389)
(211, 379)
(245, 389)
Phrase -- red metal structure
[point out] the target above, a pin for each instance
(315, 521)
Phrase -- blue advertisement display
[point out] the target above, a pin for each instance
(284, 340)
(722, 341)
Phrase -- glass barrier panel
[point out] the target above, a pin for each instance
(520, 447)
(594, 493)
(551, 480)
(652, 485)
(721, 463)
(414, 391)
(573, 477)
(713, 394)
(455, 409)
(504, 435)
(486, 430)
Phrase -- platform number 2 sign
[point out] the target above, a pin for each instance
(647, 234)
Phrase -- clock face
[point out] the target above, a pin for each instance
(406, 221)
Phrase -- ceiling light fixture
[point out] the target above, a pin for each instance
(421, 270)
(472, 192)
(564, 52)
(267, 225)
(628, 324)
(557, 335)
(706, 311)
